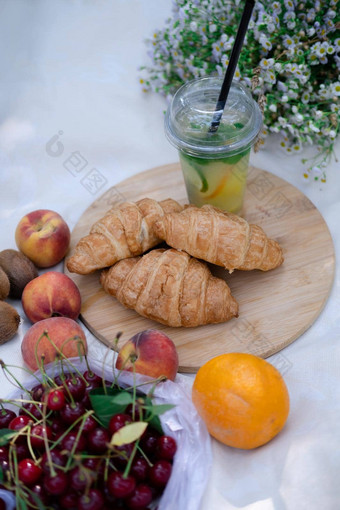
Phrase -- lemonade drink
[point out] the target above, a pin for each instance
(214, 165)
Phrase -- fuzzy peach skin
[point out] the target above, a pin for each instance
(152, 352)
(52, 294)
(43, 236)
(65, 333)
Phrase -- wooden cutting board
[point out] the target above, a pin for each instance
(275, 307)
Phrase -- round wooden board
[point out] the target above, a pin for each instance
(275, 307)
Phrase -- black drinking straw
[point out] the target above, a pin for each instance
(235, 53)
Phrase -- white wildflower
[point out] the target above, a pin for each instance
(336, 88)
(266, 63)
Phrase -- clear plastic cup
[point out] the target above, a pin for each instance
(214, 165)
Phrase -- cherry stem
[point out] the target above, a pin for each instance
(47, 448)
(29, 445)
(21, 368)
(145, 456)
(72, 452)
(6, 371)
(134, 391)
(132, 456)
(115, 348)
(14, 403)
(60, 438)
(64, 359)
(90, 372)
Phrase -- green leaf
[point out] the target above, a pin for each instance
(156, 410)
(1, 475)
(155, 422)
(6, 435)
(123, 398)
(153, 411)
(104, 405)
(129, 433)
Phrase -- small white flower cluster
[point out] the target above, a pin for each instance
(291, 54)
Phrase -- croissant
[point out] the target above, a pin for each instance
(125, 231)
(170, 287)
(219, 237)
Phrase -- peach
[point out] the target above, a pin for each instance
(66, 334)
(152, 353)
(43, 236)
(52, 294)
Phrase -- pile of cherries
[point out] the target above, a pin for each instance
(60, 455)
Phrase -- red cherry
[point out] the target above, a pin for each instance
(118, 421)
(21, 450)
(69, 500)
(159, 473)
(134, 411)
(76, 387)
(71, 412)
(139, 469)
(39, 492)
(141, 497)
(4, 467)
(92, 500)
(166, 447)
(3, 453)
(72, 439)
(31, 409)
(57, 425)
(61, 378)
(57, 484)
(57, 458)
(97, 440)
(92, 463)
(56, 400)
(149, 442)
(92, 378)
(28, 472)
(120, 486)
(89, 424)
(38, 392)
(37, 435)
(124, 453)
(19, 422)
(6, 416)
(80, 478)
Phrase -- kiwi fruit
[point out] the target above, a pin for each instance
(19, 269)
(9, 322)
(4, 284)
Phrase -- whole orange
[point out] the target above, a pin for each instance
(242, 398)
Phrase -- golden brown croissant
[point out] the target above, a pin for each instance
(219, 237)
(125, 231)
(170, 287)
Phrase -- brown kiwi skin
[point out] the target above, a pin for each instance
(4, 284)
(19, 269)
(9, 322)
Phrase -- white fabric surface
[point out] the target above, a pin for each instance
(70, 66)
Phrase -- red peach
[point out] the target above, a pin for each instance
(152, 353)
(52, 294)
(43, 236)
(66, 334)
